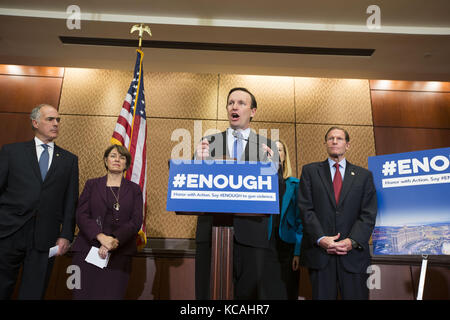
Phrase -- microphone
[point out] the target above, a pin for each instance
(238, 135)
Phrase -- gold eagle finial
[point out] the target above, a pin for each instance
(141, 28)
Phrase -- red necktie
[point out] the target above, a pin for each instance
(337, 183)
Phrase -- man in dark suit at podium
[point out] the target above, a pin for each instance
(250, 233)
(338, 208)
(38, 196)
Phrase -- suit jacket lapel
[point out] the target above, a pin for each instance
(124, 188)
(31, 151)
(102, 189)
(325, 176)
(253, 145)
(219, 146)
(251, 139)
(225, 145)
(287, 195)
(349, 178)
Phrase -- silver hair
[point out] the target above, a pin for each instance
(36, 113)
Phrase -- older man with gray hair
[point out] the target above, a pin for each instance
(38, 196)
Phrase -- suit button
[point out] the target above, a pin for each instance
(337, 212)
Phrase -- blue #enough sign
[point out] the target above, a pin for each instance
(413, 190)
(222, 186)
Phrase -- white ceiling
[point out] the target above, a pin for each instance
(413, 42)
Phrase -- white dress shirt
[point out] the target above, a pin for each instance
(230, 139)
(342, 166)
(40, 149)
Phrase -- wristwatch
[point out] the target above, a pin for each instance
(355, 244)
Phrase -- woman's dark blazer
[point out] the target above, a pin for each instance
(91, 213)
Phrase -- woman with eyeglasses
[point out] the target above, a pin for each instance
(109, 216)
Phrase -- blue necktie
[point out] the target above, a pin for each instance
(43, 161)
(237, 146)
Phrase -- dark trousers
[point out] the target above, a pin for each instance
(327, 282)
(17, 250)
(280, 282)
(248, 268)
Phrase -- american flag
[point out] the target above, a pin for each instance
(131, 132)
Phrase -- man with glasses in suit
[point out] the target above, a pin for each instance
(338, 208)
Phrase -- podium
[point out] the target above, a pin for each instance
(222, 233)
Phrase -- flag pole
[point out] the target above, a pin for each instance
(141, 239)
(141, 28)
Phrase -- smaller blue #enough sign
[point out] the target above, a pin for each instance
(222, 186)
(413, 192)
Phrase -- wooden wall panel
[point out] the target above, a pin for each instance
(23, 93)
(411, 109)
(182, 95)
(15, 127)
(395, 140)
(332, 101)
(169, 276)
(395, 283)
(88, 138)
(19, 70)
(421, 86)
(410, 115)
(152, 278)
(167, 95)
(21, 89)
(144, 283)
(437, 282)
(94, 91)
(177, 276)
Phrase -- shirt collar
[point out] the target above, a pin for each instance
(245, 133)
(342, 163)
(40, 142)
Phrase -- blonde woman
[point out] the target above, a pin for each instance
(281, 264)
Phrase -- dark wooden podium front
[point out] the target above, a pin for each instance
(222, 257)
